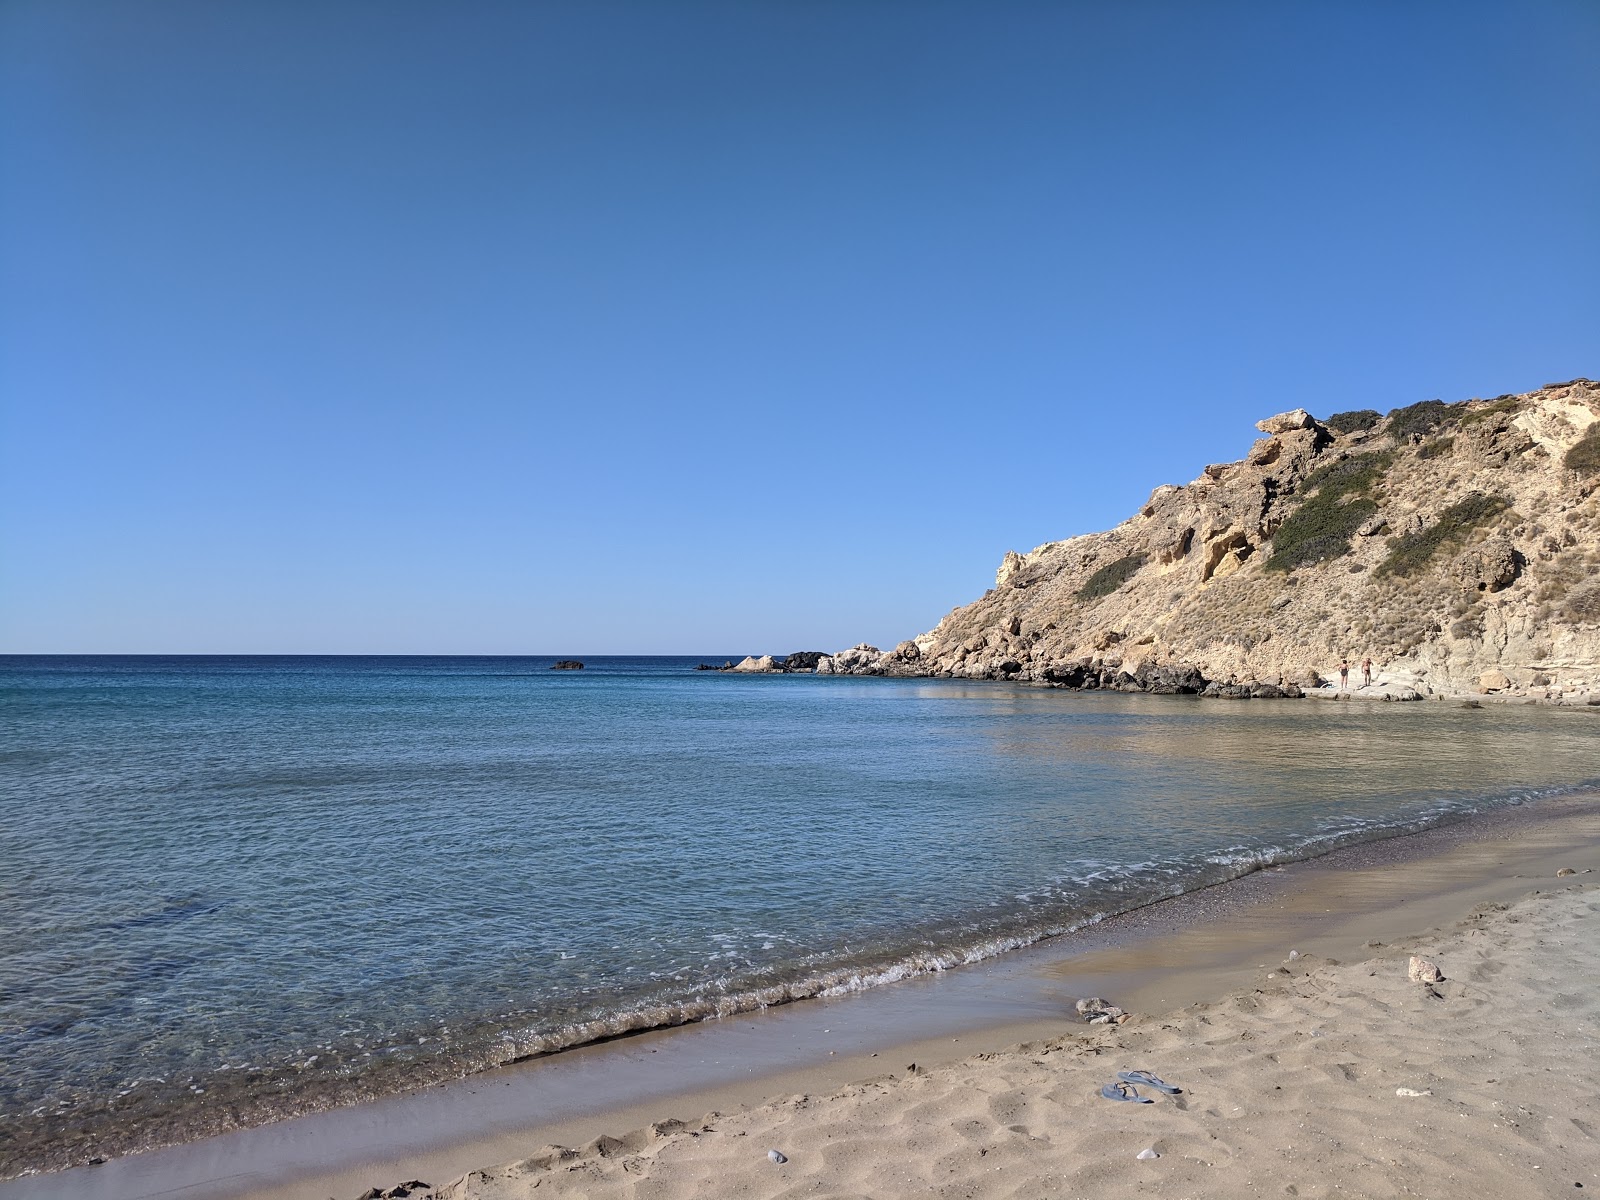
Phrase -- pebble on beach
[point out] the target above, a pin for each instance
(1423, 970)
(778, 1156)
(1097, 1012)
(1148, 1153)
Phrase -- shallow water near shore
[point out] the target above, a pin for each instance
(240, 888)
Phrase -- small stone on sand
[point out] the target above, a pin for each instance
(1422, 970)
(1148, 1153)
(777, 1156)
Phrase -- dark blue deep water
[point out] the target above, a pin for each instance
(250, 885)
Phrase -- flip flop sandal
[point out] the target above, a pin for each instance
(1121, 1091)
(1148, 1080)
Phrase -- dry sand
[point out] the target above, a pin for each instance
(1321, 1079)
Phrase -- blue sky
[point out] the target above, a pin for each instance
(723, 327)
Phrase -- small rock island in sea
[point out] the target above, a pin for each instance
(567, 664)
(1456, 546)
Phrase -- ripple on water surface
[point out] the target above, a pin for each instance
(280, 883)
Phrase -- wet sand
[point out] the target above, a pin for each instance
(1155, 961)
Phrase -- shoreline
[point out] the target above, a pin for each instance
(1172, 952)
(1107, 675)
(240, 1101)
(1465, 1072)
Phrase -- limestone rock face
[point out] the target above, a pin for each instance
(1284, 422)
(1488, 566)
(1443, 542)
(860, 659)
(1009, 566)
(753, 664)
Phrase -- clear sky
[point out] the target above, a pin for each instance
(667, 327)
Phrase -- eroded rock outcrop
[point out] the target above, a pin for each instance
(1443, 540)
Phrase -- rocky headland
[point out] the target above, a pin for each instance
(1457, 545)
(800, 662)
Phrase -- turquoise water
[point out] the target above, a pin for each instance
(235, 888)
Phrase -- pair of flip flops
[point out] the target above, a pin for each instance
(1126, 1091)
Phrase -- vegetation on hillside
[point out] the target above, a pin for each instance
(1420, 418)
(1110, 577)
(1505, 404)
(1357, 474)
(1337, 504)
(1319, 531)
(1584, 457)
(1408, 555)
(1349, 422)
(1584, 607)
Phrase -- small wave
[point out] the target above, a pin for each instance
(1091, 892)
(1082, 900)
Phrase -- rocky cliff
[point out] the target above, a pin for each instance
(1456, 544)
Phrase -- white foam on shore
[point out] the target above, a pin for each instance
(1080, 904)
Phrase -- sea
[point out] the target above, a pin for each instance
(237, 888)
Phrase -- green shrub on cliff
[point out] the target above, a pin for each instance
(1349, 422)
(1110, 577)
(1318, 531)
(1496, 408)
(1336, 505)
(1584, 457)
(1422, 417)
(1408, 555)
(1355, 475)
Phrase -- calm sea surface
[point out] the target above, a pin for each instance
(233, 888)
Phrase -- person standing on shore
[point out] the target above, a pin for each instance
(1366, 671)
(1344, 673)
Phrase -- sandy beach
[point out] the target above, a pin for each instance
(1321, 1078)
(1297, 1073)
(1328, 1073)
